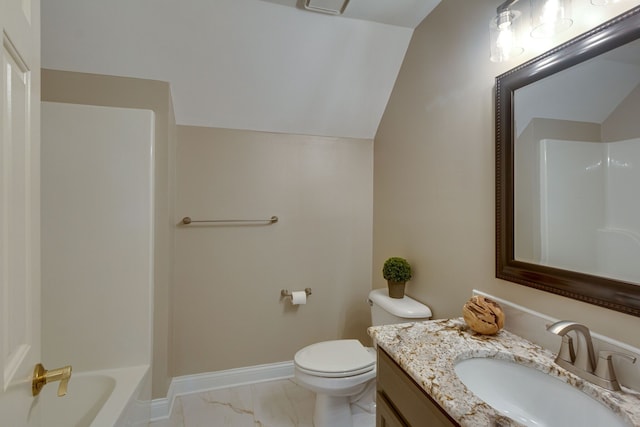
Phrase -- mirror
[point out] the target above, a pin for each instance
(568, 168)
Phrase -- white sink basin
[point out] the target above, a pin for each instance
(531, 396)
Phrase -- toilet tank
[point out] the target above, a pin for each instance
(386, 310)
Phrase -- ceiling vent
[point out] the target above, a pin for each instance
(333, 7)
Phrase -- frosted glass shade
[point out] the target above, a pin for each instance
(550, 17)
(504, 31)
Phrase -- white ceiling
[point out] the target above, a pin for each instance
(265, 65)
(403, 13)
(572, 95)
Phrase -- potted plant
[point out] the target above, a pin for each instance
(397, 271)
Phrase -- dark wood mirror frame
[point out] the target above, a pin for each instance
(613, 294)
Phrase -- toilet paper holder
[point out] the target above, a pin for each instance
(287, 293)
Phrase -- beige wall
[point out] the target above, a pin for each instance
(321, 188)
(434, 174)
(227, 311)
(623, 122)
(92, 89)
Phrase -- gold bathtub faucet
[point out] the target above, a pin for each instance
(41, 377)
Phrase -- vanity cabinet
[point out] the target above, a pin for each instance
(401, 402)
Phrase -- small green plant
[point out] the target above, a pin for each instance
(396, 269)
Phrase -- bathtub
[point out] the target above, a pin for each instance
(106, 398)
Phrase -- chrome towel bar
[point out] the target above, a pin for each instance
(187, 220)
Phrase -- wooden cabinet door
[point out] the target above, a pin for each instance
(405, 398)
(385, 415)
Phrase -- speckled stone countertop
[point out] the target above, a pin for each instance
(427, 352)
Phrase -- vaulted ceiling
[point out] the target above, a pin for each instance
(574, 96)
(266, 65)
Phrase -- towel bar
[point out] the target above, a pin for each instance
(187, 220)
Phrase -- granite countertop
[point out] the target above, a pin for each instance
(427, 352)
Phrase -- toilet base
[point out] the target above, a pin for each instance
(332, 411)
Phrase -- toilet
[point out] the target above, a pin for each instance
(342, 372)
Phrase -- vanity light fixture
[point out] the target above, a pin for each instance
(550, 17)
(506, 29)
(504, 32)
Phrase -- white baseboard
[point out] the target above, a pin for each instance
(161, 408)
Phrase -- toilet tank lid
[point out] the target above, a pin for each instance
(405, 307)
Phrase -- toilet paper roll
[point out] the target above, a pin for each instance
(298, 297)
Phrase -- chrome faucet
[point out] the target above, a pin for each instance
(583, 362)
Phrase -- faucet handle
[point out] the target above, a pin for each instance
(605, 370)
(63, 375)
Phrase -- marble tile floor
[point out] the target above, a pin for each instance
(280, 403)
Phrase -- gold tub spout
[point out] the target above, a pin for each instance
(42, 376)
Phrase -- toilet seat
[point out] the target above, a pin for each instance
(335, 359)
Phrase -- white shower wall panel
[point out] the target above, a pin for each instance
(97, 235)
(572, 202)
(619, 239)
(623, 184)
(590, 207)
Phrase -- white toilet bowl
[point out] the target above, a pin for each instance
(342, 372)
(337, 371)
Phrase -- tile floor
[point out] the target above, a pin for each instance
(270, 404)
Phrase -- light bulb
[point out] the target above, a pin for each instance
(505, 39)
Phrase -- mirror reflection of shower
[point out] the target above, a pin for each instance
(576, 167)
(588, 208)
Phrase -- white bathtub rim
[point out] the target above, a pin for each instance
(162, 408)
(129, 381)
